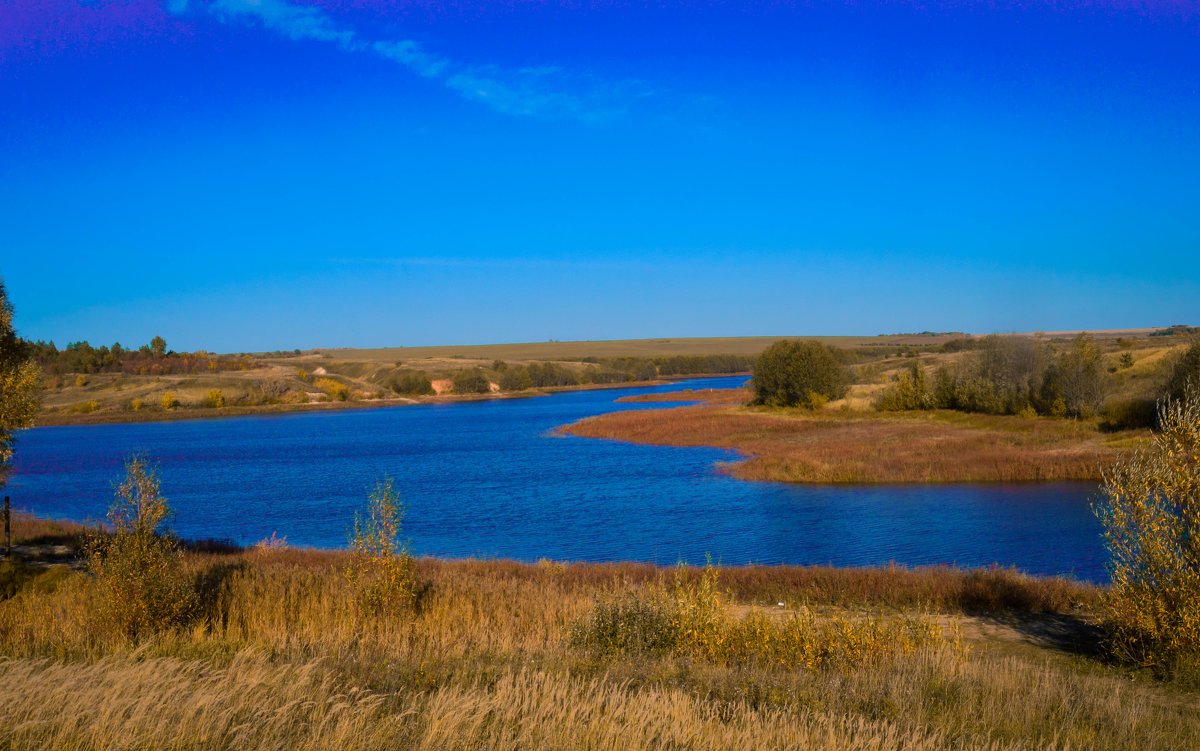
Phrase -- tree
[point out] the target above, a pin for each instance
(516, 379)
(20, 382)
(381, 572)
(1150, 512)
(412, 382)
(138, 568)
(471, 381)
(1073, 383)
(794, 373)
(158, 346)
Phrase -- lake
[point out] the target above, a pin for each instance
(490, 479)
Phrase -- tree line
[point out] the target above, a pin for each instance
(149, 359)
(1009, 375)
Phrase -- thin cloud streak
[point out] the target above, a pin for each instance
(513, 263)
(545, 92)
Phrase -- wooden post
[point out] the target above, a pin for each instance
(7, 527)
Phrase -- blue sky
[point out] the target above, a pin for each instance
(240, 175)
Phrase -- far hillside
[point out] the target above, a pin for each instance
(86, 383)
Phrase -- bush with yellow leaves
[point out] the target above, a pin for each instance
(693, 619)
(1151, 516)
(138, 569)
(381, 572)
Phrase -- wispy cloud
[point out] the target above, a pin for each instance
(547, 92)
(652, 265)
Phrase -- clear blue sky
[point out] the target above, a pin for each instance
(247, 175)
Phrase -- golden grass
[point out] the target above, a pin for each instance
(279, 659)
(847, 446)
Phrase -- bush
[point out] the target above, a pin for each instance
(214, 399)
(515, 379)
(1150, 512)
(138, 569)
(544, 374)
(169, 401)
(788, 373)
(413, 383)
(625, 623)
(335, 389)
(910, 391)
(381, 573)
(471, 381)
(692, 620)
(273, 390)
(91, 405)
(1185, 373)
(136, 404)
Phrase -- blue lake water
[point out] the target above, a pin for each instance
(490, 479)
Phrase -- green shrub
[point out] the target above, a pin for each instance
(471, 381)
(544, 374)
(138, 568)
(597, 374)
(515, 379)
(788, 373)
(412, 382)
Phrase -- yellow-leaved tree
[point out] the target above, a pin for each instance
(1151, 516)
(381, 572)
(138, 567)
(20, 381)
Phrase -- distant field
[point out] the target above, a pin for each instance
(736, 345)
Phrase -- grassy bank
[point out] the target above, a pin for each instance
(48, 419)
(853, 446)
(278, 657)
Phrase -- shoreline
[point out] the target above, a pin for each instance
(846, 447)
(56, 420)
(53, 540)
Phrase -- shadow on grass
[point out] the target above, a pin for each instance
(1069, 634)
(210, 587)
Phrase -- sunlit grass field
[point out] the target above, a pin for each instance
(514, 656)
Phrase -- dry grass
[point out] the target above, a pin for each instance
(277, 659)
(737, 345)
(847, 446)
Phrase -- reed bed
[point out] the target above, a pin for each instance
(850, 447)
